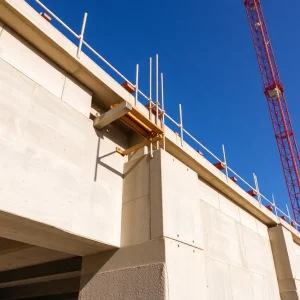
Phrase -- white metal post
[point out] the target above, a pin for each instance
(225, 161)
(81, 35)
(287, 208)
(157, 89)
(136, 85)
(150, 102)
(163, 109)
(257, 188)
(150, 89)
(274, 204)
(181, 125)
(157, 102)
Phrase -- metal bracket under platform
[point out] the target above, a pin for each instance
(135, 120)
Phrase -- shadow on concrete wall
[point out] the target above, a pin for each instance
(101, 134)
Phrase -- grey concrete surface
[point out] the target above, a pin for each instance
(184, 231)
(54, 163)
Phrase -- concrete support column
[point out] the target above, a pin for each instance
(161, 255)
(136, 272)
(286, 262)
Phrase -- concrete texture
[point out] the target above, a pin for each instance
(77, 96)
(185, 266)
(54, 163)
(179, 187)
(148, 281)
(237, 253)
(184, 231)
(24, 57)
(106, 91)
(134, 272)
(21, 55)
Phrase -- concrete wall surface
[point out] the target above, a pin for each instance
(36, 66)
(206, 235)
(55, 168)
(237, 248)
(168, 227)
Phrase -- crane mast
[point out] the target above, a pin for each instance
(274, 92)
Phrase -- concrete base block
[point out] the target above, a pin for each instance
(141, 282)
(155, 270)
(290, 295)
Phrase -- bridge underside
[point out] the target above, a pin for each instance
(31, 272)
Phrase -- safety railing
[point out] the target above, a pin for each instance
(161, 113)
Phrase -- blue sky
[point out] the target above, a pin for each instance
(209, 65)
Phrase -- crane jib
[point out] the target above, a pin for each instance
(274, 91)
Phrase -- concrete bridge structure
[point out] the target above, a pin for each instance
(80, 221)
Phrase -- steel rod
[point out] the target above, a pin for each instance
(150, 90)
(106, 62)
(156, 98)
(225, 162)
(136, 85)
(257, 188)
(150, 101)
(275, 207)
(81, 35)
(287, 209)
(163, 109)
(181, 125)
(56, 18)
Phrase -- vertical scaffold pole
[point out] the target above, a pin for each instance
(150, 102)
(287, 209)
(150, 89)
(257, 188)
(225, 162)
(81, 35)
(157, 102)
(274, 204)
(163, 110)
(181, 124)
(136, 85)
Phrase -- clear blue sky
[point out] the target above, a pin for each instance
(209, 64)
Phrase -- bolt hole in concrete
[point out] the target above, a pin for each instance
(177, 235)
(178, 246)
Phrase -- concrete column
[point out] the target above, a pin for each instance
(137, 270)
(286, 262)
(161, 255)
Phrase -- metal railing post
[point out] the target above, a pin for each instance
(136, 85)
(150, 89)
(150, 102)
(81, 35)
(287, 209)
(163, 110)
(225, 162)
(257, 188)
(181, 125)
(156, 102)
(274, 204)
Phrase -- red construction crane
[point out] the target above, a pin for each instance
(274, 91)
